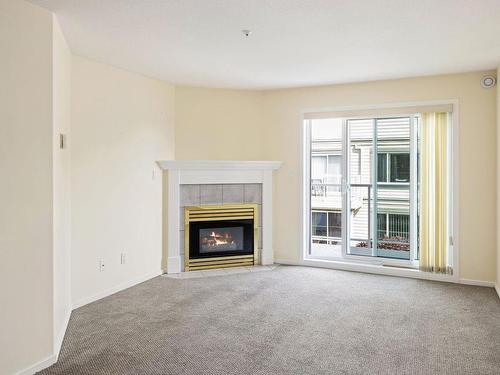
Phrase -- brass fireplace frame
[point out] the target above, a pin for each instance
(221, 213)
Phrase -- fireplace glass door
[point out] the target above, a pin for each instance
(221, 238)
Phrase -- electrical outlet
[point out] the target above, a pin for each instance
(101, 265)
(123, 258)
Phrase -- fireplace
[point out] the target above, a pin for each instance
(220, 236)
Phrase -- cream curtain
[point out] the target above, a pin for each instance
(434, 199)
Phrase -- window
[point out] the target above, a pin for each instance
(318, 167)
(382, 168)
(393, 167)
(325, 166)
(326, 224)
(334, 224)
(378, 165)
(393, 225)
(319, 224)
(326, 169)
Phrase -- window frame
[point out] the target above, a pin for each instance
(388, 109)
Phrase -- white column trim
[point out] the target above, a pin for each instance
(173, 258)
(267, 256)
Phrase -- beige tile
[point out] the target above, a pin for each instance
(232, 271)
(253, 193)
(214, 272)
(260, 238)
(181, 217)
(211, 194)
(233, 193)
(181, 242)
(259, 268)
(190, 195)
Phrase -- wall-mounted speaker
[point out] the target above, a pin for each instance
(488, 82)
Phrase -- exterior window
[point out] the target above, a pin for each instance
(319, 224)
(334, 165)
(382, 225)
(382, 168)
(334, 224)
(318, 167)
(324, 166)
(326, 224)
(400, 168)
(393, 225)
(393, 167)
(326, 169)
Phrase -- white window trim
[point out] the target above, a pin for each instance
(380, 266)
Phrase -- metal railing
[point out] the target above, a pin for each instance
(369, 194)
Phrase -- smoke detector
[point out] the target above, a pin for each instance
(247, 33)
(488, 82)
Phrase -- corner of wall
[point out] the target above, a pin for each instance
(497, 286)
(61, 164)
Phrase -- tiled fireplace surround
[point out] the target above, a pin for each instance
(220, 194)
(215, 182)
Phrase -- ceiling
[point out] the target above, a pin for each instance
(294, 42)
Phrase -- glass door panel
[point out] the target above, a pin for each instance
(327, 158)
(360, 187)
(392, 191)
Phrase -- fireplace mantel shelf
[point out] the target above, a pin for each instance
(186, 172)
(219, 164)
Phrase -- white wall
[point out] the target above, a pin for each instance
(122, 123)
(62, 169)
(26, 190)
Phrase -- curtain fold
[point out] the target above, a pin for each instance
(434, 200)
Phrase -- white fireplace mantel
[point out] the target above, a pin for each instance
(185, 172)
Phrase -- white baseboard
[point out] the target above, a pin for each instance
(489, 284)
(288, 262)
(59, 340)
(39, 366)
(371, 268)
(381, 270)
(497, 288)
(86, 300)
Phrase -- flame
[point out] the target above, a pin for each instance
(218, 239)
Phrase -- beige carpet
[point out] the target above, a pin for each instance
(291, 320)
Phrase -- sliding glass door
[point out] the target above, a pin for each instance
(382, 180)
(364, 188)
(326, 188)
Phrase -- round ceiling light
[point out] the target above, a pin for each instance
(247, 33)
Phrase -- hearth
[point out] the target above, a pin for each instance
(220, 236)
